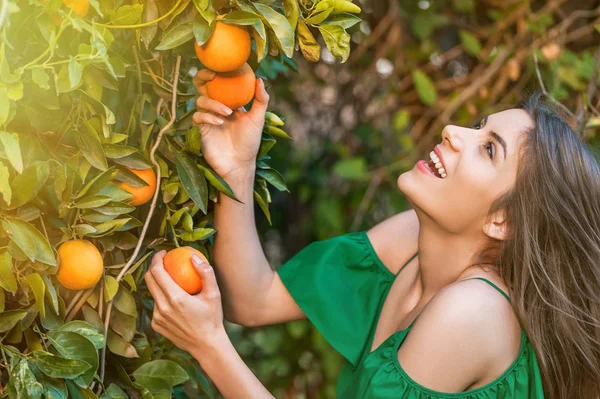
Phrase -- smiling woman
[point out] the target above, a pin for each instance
(488, 288)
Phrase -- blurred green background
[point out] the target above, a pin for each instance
(415, 66)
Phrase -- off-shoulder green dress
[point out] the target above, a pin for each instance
(341, 286)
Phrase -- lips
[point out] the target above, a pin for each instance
(438, 152)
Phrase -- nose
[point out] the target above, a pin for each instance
(454, 135)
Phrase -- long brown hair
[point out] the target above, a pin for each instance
(551, 260)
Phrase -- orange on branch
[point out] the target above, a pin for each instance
(141, 195)
(234, 89)
(227, 48)
(81, 7)
(80, 265)
(178, 263)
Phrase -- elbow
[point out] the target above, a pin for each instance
(240, 317)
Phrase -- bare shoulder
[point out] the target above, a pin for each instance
(465, 337)
(395, 239)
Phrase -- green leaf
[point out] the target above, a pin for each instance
(4, 105)
(150, 14)
(9, 318)
(470, 42)
(113, 391)
(119, 346)
(38, 287)
(72, 345)
(125, 303)
(291, 11)
(59, 367)
(197, 234)
(29, 240)
(218, 182)
(259, 34)
(7, 276)
(277, 132)
(98, 183)
(118, 151)
(154, 387)
(75, 72)
(85, 329)
(166, 370)
(24, 382)
(202, 30)
(115, 209)
(92, 202)
(5, 188)
(193, 181)
(123, 324)
(337, 40)
(10, 142)
(262, 203)
(273, 177)
(425, 87)
(353, 168)
(29, 183)
(345, 20)
(280, 26)
(91, 146)
(127, 15)
(41, 78)
(240, 17)
(176, 36)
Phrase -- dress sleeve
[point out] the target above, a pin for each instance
(339, 283)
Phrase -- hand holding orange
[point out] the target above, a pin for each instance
(178, 263)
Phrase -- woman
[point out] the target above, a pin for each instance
(488, 288)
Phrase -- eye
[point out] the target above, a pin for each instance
(489, 146)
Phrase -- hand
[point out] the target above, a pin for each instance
(233, 144)
(191, 322)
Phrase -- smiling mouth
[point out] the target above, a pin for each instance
(431, 166)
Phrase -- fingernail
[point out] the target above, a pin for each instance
(220, 121)
(228, 111)
(197, 260)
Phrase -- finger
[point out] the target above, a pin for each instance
(261, 101)
(203, 76)
(210, 289)
(204, 103)
(206, 118)
(157, 293)
(169, 287)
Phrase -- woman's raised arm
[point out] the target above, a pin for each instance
(230, 142)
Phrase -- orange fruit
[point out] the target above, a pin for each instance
(141, 195)
(80, 265)
(178, 263)
(234, 89)
(81, 7)
(227, 48)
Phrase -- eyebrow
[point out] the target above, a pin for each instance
(496, 137)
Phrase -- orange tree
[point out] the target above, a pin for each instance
(97, 145)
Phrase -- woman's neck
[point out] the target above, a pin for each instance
(444, 257)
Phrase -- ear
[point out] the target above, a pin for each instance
(496, 226)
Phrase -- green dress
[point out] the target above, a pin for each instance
(341, 286)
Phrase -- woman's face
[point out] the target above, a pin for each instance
(480, 165)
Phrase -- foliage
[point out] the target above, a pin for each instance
(86, 96)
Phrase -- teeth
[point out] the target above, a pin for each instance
(438, 164)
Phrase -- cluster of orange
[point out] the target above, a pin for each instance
(226, 53)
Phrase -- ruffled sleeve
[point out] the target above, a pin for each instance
(339, 283)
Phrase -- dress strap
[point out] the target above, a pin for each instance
(410, 260)
(490, 283)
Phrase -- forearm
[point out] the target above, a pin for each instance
(242, 269)
(223, 365)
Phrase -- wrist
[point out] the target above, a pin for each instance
(207, 351)
(241, 175)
